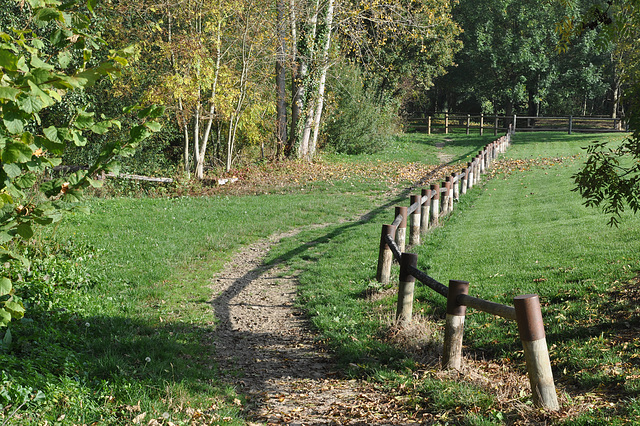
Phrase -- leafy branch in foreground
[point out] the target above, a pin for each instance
(611, 175)
(36, 72)
(605, 181)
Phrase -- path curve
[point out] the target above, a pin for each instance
(266, 348)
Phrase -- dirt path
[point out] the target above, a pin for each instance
(268, 351)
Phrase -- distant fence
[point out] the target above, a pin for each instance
(480, 123)
(425, 212)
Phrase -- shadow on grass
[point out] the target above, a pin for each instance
(278, 357)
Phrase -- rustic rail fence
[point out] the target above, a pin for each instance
(449, 122)
(424, 213)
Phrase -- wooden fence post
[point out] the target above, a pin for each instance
(450, 193)
(404, 310)
(468, 122)
(429, 126)
(435, 204)
(445, 196)
(536, 354)
(456, 186)
(471, 176)
(401, 232)
(426, 206)
(570, 124)
(446, 123)
(513, 129)
(385, 257)
(465, 179)
(454, 326)
(481, 124)
(414, 232)
(476, 170)
(495, 126)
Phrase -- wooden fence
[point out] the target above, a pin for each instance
(480, 123)
(424, 213)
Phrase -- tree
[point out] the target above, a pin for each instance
(387, 38)
(610, 178)
(36, 73)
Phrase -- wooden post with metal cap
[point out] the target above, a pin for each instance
(536, 354)
(454, 326)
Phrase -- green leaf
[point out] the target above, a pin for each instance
(64, 59)
(12, 170)
(6, 340)
(154, 126)
(5, 317)
(84, 119)
(101, 128)
(6, 198)
(154, 111)
(47, 14)
(26, 181)
(5, 286)
(13, 121)
(36, 62)
(56, 148)
(16, 152)
(30, 103)
(15, 308)
(9, 93)
(139, 133)
(95, 183)
(8, 60)
(78, 139)
(113, 167)
(25, 230)
(91, 4)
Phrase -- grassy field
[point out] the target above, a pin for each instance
(119, 322)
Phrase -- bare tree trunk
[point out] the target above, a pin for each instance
(281, 75)
(295, 80)
(306, 59)
(240, 105)
(323, 79)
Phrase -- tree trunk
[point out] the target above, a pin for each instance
(281, 106)
(295, 93)
(328, 22)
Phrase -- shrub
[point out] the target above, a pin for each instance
(357, 123)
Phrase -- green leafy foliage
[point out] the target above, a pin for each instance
(28, 144)
(357, 124)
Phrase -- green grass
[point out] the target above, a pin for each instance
(119, 321)
(419, 147)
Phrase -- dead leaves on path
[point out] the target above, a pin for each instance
(338, 402)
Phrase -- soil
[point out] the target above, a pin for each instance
(267, 349)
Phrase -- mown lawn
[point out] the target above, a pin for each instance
(119, 323)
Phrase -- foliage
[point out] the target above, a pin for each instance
(357, 123)
(37, 73)
(511, 63)
(611, 175)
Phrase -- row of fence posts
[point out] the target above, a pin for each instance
(481, 125)
(617, 123)
(424, 211)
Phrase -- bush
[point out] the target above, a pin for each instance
(357, 123)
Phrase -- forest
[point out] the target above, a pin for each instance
(246, 81)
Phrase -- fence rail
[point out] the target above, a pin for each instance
(424, 213)
(449, 122)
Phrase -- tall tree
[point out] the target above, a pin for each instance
(610, 178)
(388, 38)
